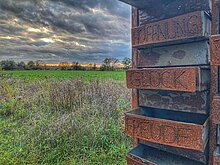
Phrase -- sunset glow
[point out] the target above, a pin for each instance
(70, 31)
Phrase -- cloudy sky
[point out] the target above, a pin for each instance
(86, 31)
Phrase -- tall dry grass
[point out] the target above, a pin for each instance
(68, 122)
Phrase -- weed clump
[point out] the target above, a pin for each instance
(63, 122)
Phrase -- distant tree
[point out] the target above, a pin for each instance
(126, 62)
(109, 64)
(114, 61)
(75, 65)
(94, 67)
(8, 65)
(21, 65)
(39, 64)
(89, 67)
(30, 65)
(63, 65)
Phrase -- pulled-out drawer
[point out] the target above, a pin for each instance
(190, 54)
(186, 153)
(145, 155)
(181, 29)
(187, 79)
(198, 102)
(177, 129)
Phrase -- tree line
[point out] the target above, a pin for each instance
(109, 64)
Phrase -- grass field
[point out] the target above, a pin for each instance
(65, 75)
(58, 117)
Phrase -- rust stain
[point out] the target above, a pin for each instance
(180, 54)
(152, 58)
(216, 160)
(175, 79)
(135, 96)
(213, 127)
(135, 161)
(181, 27)
(179, 101)
(167, 132)
(169, 9)
(215, 116)
(186, 153)
(215, 50)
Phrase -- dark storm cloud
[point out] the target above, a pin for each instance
(83, 30)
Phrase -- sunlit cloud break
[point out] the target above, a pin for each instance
(69, 30)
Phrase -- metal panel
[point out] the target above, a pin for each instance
(178, 101)
(172, 8)
(183, 130)
(196, 53)
(181, 29)
(188, 79)
(215, 116)
(213, 126)
(218, 134)
(216, 160)
(131, 160)
(187, 153)
(168, 8)
(145, 155)
(215, 50)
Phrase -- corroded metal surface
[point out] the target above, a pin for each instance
(218, 136)
(135, 96)
(215, 50)
(196, 53)
(216, 159)
(187, 153)
(168, 9)
(169, 128)
(178, 101)
(189, 27)
(135, 93)
(188, 79)
(131, 160)
(213, 127)
(215, 17)
(146, 155)
(215, 116)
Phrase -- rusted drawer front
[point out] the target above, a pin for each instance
(164, 9)
(196, 53)
(178, 101)
(186, 28)
(216, 110)
(183, 130)
(217, 157)
(188, 79)
(146, 155)
(131, 160)
(215, 50)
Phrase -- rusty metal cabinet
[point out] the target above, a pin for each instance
(175, 82)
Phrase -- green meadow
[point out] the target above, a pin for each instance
(63, 117)
(64, 75)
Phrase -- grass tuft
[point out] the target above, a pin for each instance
(73, 121)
